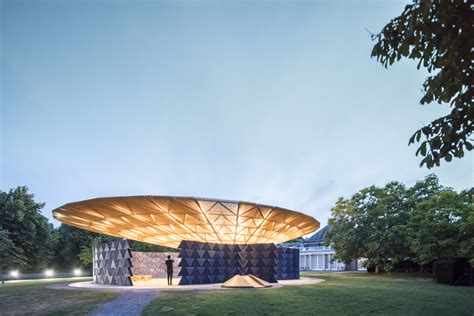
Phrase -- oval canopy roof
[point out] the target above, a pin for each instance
(163, 220)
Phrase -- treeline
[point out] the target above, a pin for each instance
(396, 224)
(387, 225)
(29, 242)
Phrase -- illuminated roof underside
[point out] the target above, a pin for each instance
(168, 220)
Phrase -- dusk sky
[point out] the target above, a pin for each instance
(274, 102)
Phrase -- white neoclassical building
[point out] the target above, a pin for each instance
(319, 258)
(315, 256)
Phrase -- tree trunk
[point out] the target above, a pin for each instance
(377, 264)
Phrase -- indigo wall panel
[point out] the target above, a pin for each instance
(216, 263)
(197, 262)
(287, 263)
(112, 263)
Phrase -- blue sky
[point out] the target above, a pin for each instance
(275, 102)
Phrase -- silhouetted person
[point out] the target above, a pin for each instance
(169, 270)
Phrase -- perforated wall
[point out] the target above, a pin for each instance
(203, 263)
(112, 263)
(288, 261)
(153, 263)
(196, 263)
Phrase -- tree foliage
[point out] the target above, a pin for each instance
(28, 241)
(440, 35)
(437, 231)
(466, 227)
(85, 254)
(389, 224)
(425, 189)
(386, 224)
(371, 225)
(25, 229)
(10, 256)
(70, 244)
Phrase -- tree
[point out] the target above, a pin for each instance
(426, 222)
(442, 228)
(440, 35)
(73, 243)
(342, 236)
(371, 224)
(85, 255)
(425, 189)
(27, 228)
(10, 255)
(466, 242)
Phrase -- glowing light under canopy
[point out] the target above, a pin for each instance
(166, 220)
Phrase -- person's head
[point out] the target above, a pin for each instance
(169, 257)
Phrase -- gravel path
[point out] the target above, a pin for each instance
(129, 303)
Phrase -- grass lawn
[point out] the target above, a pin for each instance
(33, 297)
(395, 294)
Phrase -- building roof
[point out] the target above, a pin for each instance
(166, 220)
(319, 236)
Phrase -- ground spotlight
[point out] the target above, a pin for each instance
(14, 273)
(77, 272)
(49, 273)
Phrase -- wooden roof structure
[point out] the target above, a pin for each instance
(166, 220)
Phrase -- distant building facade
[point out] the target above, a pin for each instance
(315, 256)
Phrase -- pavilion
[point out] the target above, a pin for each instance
(217, 239)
